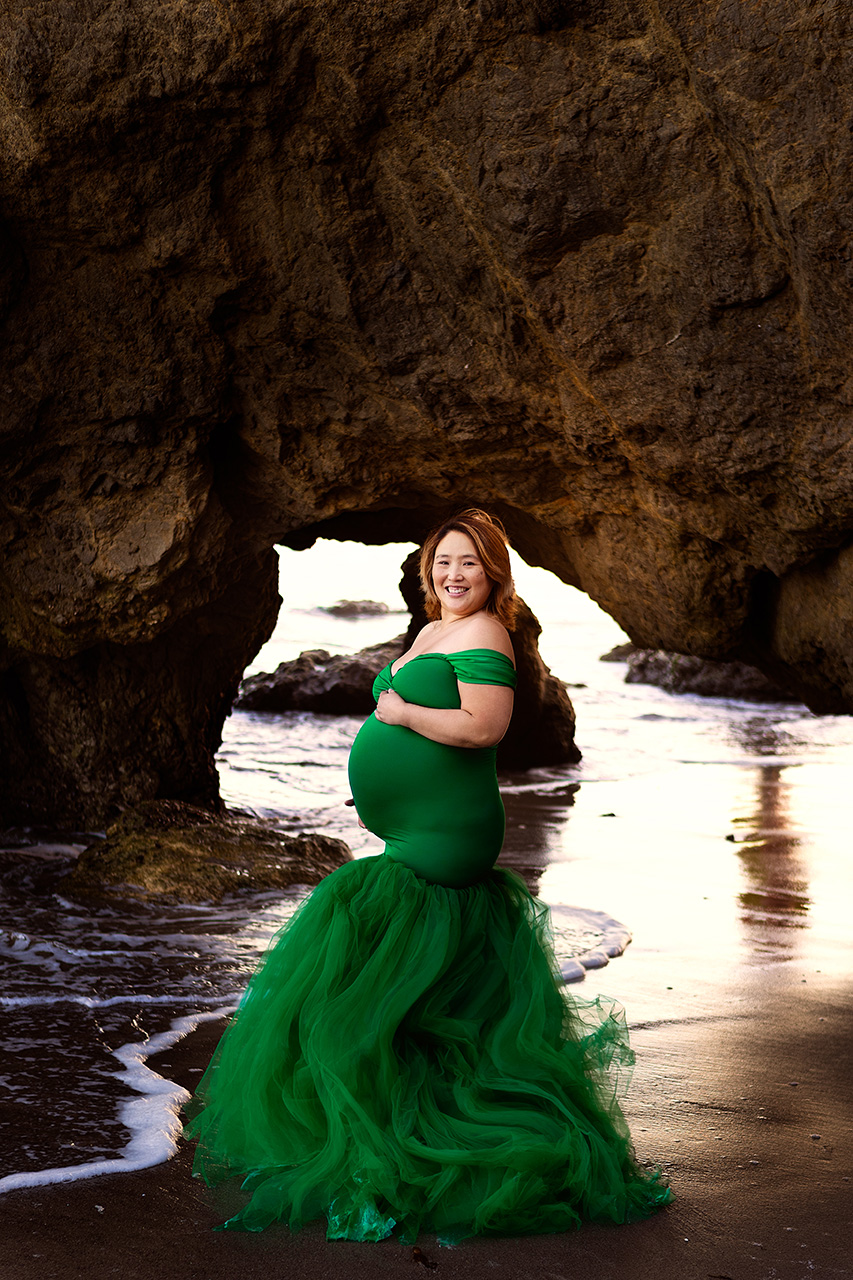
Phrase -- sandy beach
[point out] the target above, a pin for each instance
(743, 1096)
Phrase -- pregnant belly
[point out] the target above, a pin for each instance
(437, 808)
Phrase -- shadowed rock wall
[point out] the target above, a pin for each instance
(282, 268)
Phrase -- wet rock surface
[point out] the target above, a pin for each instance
(356, 609)
(269, 273)
(542, 729)
(173, 852)
(677, 673)
(317, 681)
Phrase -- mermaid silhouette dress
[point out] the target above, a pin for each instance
(405, 1057)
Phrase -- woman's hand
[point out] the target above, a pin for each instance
(481, 720)
(391, 708)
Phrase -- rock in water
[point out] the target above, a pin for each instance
(679, 674)
(542, 729)
(356, 609)
(619, 653)
(316, 681)
(167, 851)
(282, 270)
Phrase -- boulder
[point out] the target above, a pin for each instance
(542, 729)
(165, 851)
(677, 673)
(356, 609)
(317, 681)
(619, 653)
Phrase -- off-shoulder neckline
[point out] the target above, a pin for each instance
(436, 653)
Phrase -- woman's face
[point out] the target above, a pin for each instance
(458, 577)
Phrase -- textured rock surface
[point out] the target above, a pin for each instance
(679, 674)
(356, 609)
(175, 852)
(317, 681)
(542, 729)
(268, 271)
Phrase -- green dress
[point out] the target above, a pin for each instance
(405, 1057)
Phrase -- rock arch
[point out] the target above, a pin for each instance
(328, 267)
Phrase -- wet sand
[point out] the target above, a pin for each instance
(742, 1091)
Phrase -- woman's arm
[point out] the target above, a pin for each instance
(481, 721)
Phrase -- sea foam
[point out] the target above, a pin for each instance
(151, 1116)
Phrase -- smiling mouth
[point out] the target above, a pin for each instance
(456, 591)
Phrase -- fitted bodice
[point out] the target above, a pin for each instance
(437, 807)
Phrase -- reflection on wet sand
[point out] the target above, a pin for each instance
(776, 898)
(536, 815)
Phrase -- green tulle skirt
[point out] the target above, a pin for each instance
(405, 1057)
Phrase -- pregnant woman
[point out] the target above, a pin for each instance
(405, 1057)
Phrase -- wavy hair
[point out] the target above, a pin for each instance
(489, 537)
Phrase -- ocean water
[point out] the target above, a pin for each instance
(701, 827)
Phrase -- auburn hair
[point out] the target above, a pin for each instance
(489, 538)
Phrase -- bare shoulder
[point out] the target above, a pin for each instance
(485, 632)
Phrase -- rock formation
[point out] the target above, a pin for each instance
(679, 674)
(276, 270)
(317, 680)
(542, 729)
(171, 852)
(356, 609)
